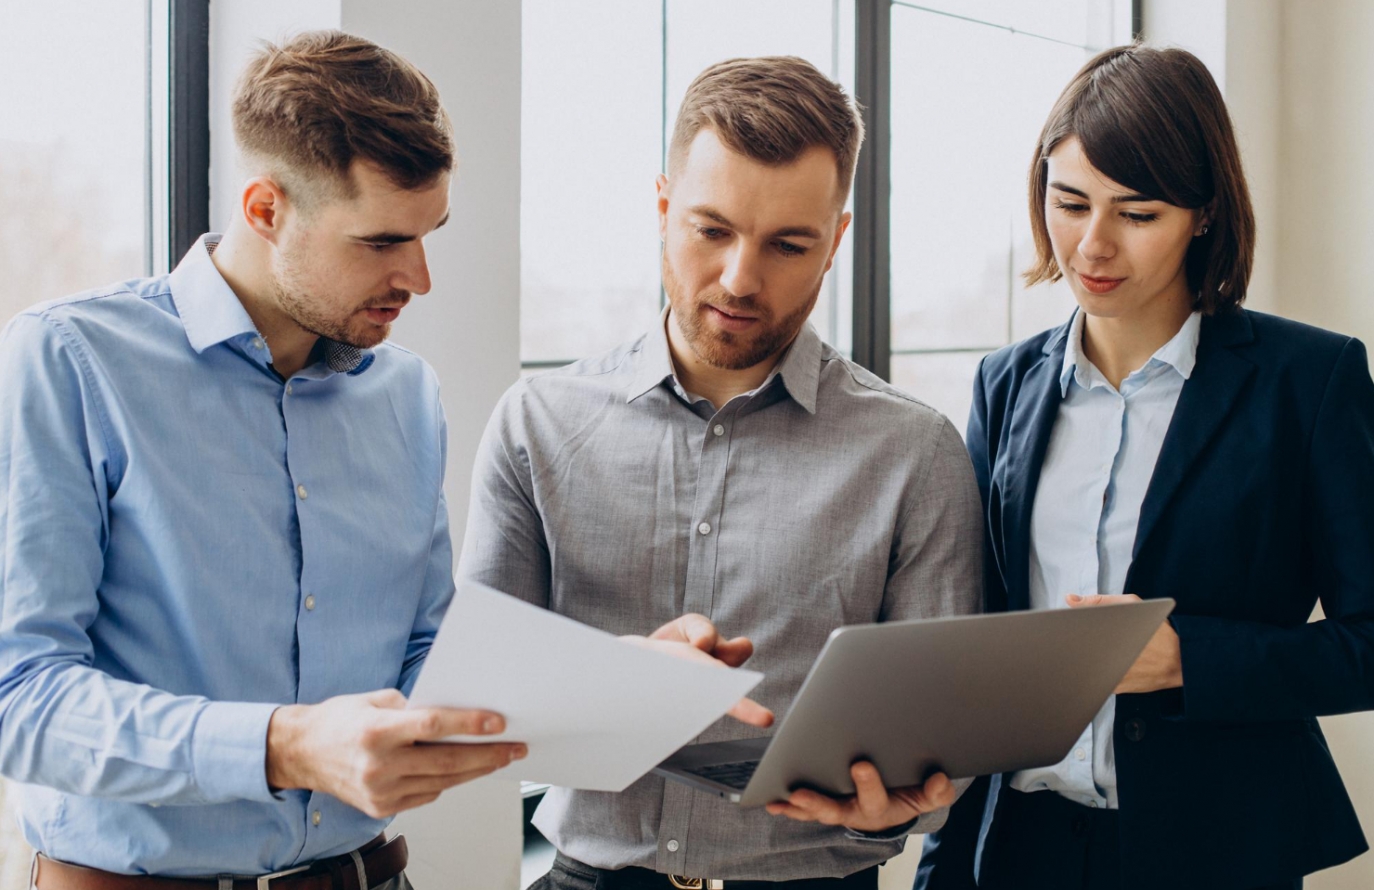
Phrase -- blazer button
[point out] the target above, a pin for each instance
(1135, 729)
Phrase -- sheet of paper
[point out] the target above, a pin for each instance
(597, 712)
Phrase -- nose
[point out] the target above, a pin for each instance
(1097, 242)
(413, 275)
(741, 276)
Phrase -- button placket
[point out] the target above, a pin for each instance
(712, 457)
(674, 818)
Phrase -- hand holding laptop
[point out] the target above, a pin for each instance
(1160, 663)
(872, 807)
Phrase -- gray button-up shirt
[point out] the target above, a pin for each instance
(825, 497)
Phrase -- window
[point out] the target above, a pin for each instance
(601, 83)
(972, 83)
(75, 145)
(104, 144)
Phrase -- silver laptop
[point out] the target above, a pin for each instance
(969, 695)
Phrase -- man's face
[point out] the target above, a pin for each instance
(746, 246)
(345, 269)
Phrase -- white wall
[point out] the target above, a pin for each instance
(468, 327)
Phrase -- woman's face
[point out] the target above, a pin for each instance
(1121, 252)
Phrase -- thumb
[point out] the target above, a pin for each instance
(693, 629)
(734, 652)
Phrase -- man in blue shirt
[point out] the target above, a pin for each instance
(224, 547)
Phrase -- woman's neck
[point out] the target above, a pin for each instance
(1120, 345)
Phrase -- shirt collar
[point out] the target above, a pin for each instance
(800, 368)
(1180, 353)
(212, 314)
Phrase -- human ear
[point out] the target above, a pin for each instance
(845, 219)
(1202, 221)
(263, 203)
(661, 187)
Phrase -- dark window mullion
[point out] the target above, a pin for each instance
(188, 187)
(872, 188)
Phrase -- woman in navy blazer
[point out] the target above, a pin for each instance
(1233, 454)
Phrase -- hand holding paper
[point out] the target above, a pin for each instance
(596, 713)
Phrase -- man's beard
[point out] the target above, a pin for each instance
(303, 309)
(724, 349)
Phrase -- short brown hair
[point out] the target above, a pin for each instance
(1154, 121)
(771, 109)
(313, 105)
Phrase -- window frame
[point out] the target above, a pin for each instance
(188, 130)
(871, 228)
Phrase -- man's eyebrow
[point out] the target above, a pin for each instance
(797, 232)
(711, 213)
(396, 237)
(1116, 199)
(788, 232)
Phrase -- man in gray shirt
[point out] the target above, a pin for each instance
(731, 464)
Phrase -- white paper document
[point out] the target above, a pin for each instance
(597, 712)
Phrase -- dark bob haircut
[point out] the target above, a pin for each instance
(1154, 121)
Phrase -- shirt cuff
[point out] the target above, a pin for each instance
(229, 751)
(922, 824)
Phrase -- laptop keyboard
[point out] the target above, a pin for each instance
(733, 775)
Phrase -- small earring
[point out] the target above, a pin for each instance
(1205, 230)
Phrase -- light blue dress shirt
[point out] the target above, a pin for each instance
(186, 542)
(1101, 455)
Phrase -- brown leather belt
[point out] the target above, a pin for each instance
(382, 860)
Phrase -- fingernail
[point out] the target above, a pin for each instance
(520, 752)
(491, 724)
(1073, 597)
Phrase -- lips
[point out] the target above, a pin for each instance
(1098, 285)
(728, 314)
(729, 321)
(382, 314)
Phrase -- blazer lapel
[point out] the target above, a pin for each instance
(1207, 397)
(1028, 436)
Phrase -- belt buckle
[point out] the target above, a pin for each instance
(682, 883)
(265, 881)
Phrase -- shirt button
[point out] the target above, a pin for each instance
(257, 343)
(315, 818)
(288, 389)
(719, 430)
(1080, 753)
(310, 607)
(1093, 804)
(704, 528)
(672, 846)
(300, 490)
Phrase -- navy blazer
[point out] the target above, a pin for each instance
(1261, 504)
